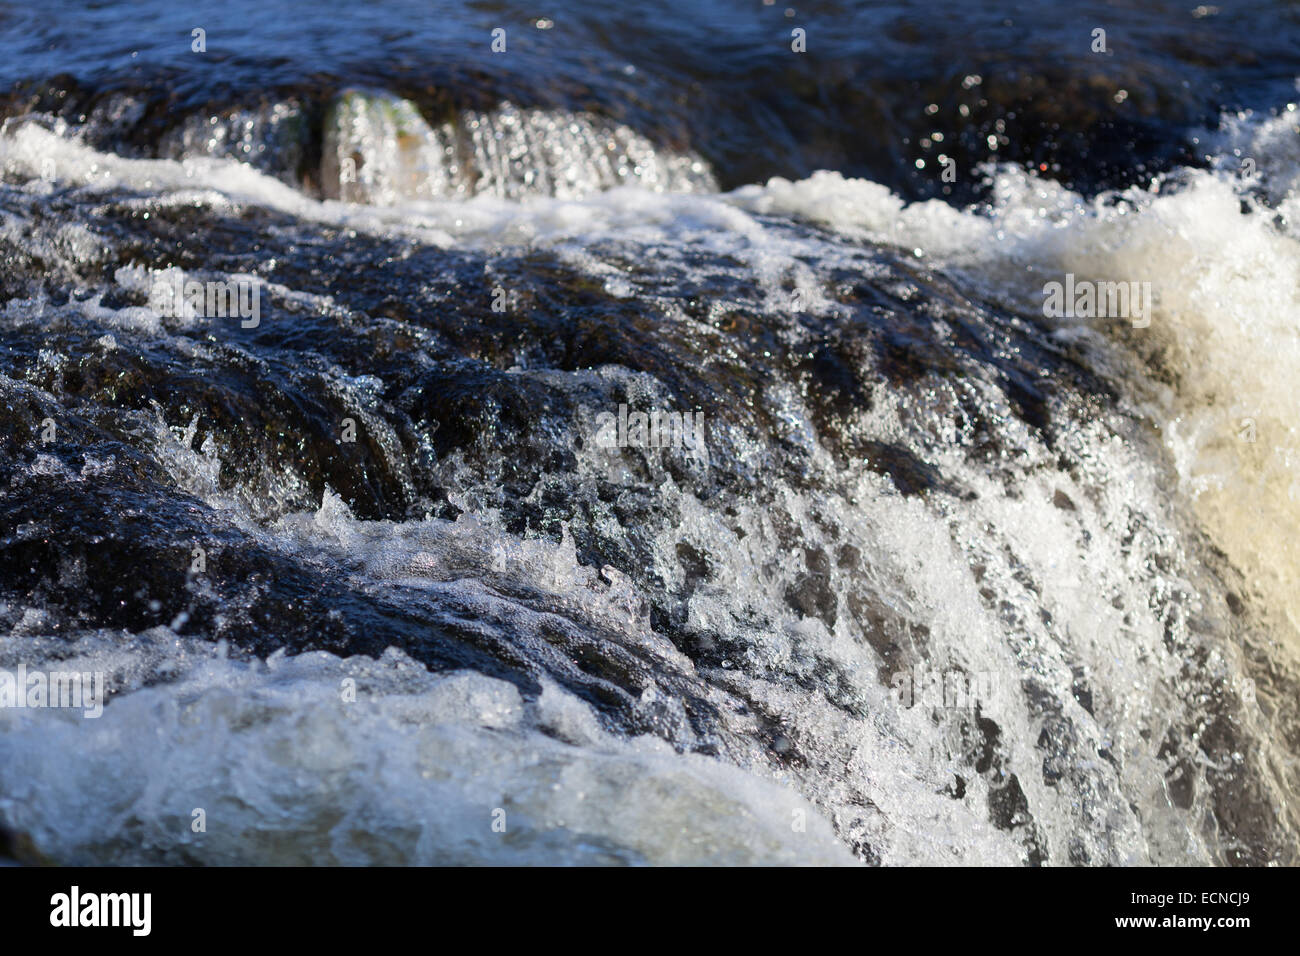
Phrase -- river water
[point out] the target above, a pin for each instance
(641, 450)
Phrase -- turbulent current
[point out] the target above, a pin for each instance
(647, 457)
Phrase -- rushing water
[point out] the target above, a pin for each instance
(902, 569)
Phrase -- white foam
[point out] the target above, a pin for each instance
(1226, 278)
(287, 768)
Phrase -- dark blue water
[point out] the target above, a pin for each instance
(721, 76)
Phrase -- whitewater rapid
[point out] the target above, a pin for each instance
(1116, 569)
